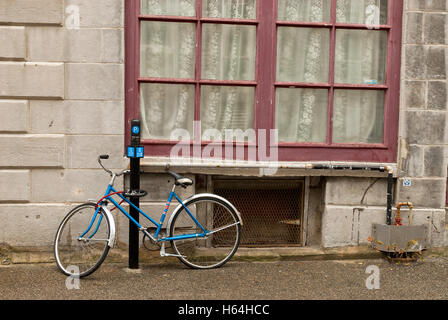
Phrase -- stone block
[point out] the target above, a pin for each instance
(425, 127)
(414, 62)
(94, 81)
(355, 191)
(69, 185)
(436, 5)
(113, 117)
(414, 28)
(15, 186)
(425, 62)
(32, 80)
(435, 62)
(437, 95)
(100, 13)
(65, 45)
(31, 11)
(77, 117)
(20, 151)
(412, 166)
(13, 40)
(423, 193)
(434, 29)
(415, 94)
(47, 116)
(348, 225)
(435, 164)
(113, 45)
(84, 117)
(416, 4)
(14, 116)
(83, 151)
(30, 225)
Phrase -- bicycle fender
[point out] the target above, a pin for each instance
(211, 195)
(111, 242)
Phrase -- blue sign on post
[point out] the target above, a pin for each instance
(130, 152)
(136, 130)
(140, 152)
(135, 152)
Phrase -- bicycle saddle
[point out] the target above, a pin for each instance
(180, 180)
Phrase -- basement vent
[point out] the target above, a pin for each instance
(271, 210)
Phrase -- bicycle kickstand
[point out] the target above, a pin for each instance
(164, 254)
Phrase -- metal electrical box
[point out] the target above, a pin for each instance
(392, 238)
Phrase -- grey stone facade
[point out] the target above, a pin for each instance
(62, 104)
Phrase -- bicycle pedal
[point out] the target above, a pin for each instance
(171, 255)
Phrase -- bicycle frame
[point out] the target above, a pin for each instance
(108, 197)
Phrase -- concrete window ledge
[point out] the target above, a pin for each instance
(259, 168)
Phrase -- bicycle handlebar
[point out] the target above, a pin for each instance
(106, 157)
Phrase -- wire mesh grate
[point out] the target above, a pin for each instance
(271, 210)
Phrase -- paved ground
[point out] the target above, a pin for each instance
(283, 280)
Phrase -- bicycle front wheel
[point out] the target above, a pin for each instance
(81, 242)
(222, 226)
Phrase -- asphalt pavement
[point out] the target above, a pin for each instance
(280, 280)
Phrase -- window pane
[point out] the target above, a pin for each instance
(303, 54)
(169, 8)
(370, 12)
(227, 107)
(301, 115)
(304, 10)
(361, 56)
(228, 52)
(234, 9)
(164, 108)
(358, 116)
(167, 49)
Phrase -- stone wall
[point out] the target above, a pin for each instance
(423, 152)
(61, 105)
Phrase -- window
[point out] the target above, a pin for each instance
(325, 73)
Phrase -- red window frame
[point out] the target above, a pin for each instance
(265, 84)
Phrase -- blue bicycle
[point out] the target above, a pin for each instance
(204, 230)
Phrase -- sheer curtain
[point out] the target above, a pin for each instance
(303, 56)
(358, 115)
(228, 53)
(168, 51)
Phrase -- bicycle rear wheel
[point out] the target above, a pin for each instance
(223, 225)
(77, 247)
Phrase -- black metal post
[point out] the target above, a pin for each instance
(390, 182)
(134, 186)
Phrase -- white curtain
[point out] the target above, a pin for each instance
(234, 9)
(168, 51)
(358, 115)
(303, 57)
(228, 53)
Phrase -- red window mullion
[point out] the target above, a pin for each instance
(331, 76)
(265, 74)
(198, 70)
